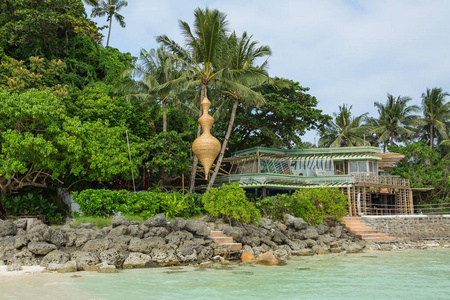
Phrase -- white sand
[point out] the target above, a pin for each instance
(26, 271)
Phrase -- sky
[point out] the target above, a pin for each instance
(346, 51)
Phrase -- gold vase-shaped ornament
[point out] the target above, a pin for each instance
(206, 147)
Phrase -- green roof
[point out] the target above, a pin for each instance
(308, 152)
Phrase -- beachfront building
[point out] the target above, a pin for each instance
(359, 172)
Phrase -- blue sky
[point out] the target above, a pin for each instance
(347, 51)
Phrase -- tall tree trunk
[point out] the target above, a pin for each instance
(2, 204)
(109, 30)
(164, 108)
(199, 131)
(224, 144)
(431, 135)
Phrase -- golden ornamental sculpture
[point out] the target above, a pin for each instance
(206, 147)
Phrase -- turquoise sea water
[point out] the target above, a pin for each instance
(410, 274)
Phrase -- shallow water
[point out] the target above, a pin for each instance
(411, 274)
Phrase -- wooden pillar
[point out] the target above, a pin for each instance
(264, 192)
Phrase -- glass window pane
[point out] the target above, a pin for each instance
(362, 166)
(353, 166)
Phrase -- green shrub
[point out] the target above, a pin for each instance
(104, 203)
(33, 204)
(230, 201)
(313, 205)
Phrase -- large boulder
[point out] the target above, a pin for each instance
(119, 220)
(311, 233)
(155, 231)
(96, 245)
(21, 224)
(55, 257)
(187, 253)
(39, 232)
(295, 222)
(112, 257)
(137, 260)
(25, 258)
(336, 231)
(177, 224)
(68, 267)
(164, 255)
(41, 248)
(21, 241)
(145, 245)
(119, 230)
(159, 220)
(197, 228)
(7, 228)
(57, 237)
(247, 256)
(85, 260)
(105, 268)
(120, 242)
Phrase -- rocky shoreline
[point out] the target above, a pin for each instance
(159, 243)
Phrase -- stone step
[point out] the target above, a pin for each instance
(350, 218)
(372, 235)
(215, 233)
(230, 246)
(353, 228)
(354, 223)
(365, 231)
(381, 239)
(222, 239)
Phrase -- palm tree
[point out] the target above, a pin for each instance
(204, 44)
(110, 8)
(240, 76)
(160, 76)
(345, 130)
(436, 113)
(394, 121)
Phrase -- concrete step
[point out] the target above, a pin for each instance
(223, 239)
(372, 235)
(230, 246)
(215, 233)
(350, 218)
(365, 231)
(353, 228)
(381, 239)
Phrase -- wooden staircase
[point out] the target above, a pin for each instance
(359, 229)
(225, 244)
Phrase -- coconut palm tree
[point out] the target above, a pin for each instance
(241, 74)
(110, 8)
(345, 130)
(436, 113)
(200, 59)
(394, 121)
(159, 76)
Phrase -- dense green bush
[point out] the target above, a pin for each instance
(104, 203)
(33, 204)
(313, 205)
(230, 201)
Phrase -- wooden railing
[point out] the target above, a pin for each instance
(380, 180)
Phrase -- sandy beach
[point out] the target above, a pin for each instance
(26, 271)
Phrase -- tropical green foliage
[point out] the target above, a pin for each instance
(230, 202)
(315, 206)
(424, 167)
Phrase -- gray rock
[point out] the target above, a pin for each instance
(159, 220)
(257, 251)
(135, 222)
(322, 228)
(54, 267)
(280, 238)
(206, 253)
(120, 242)
(119, 230)
(295, 222)
(112, 257)
(177, 224)
(21, 224)
(235, 232)
(105, 268)
(176, 237)
(145, 245)
(311, 233)
(106, 230)
(303, 252)
(317, 249)
(21, 241)
(85, 259)
(96, 245)
(297, 245)
(164, 255)
(137, 260)
(57, 237)
(325, 239)
(135, 231)
(7, 228)
(25, 258)
(41, 248)
(39, 232)
(197, 228)
(268, 224)
(82, 236)
(156, 231)
(282, 252)
(68, 267)
(187, 253)
(311, 243)
(119, 220)
(336, 231)
(252, 241)
(351, 247)
(55, 257)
